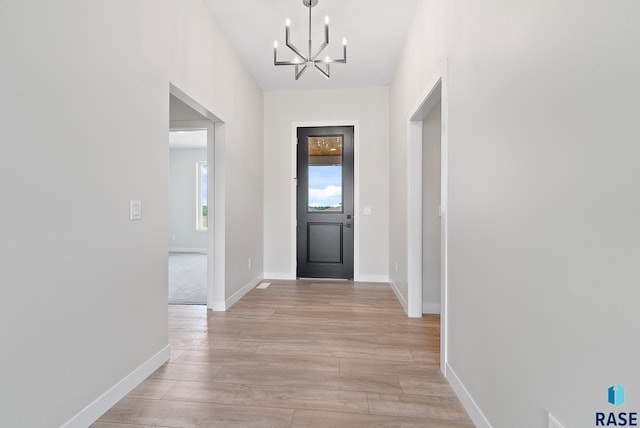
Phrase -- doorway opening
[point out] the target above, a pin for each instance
(188, 215)
(196, 196)
(427, 210)
(431, 211)
(325, 202)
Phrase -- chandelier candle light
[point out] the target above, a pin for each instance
(302, 61)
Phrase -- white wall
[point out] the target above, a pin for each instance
(183, 235)
(84, 111)
(431, 189)
(204, 63)
(543, 99)
(370, 108)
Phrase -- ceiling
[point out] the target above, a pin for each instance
(180, 111)
(193, 139)
(185, 138)
(375, 32)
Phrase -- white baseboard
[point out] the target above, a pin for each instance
(292, 277)
(371, 278)
(217, 307)
(244, 290)
(469, 404)
(222, 306)
(188, 250)
(280, 276)
(431, 308)
(93, 411)
(400, 297)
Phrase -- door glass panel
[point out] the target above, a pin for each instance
(325, 174)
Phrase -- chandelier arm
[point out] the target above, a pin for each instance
(298, 53)
(288, 63)
(299, 73)
(276, 62)
(342, 60)
(322, 48)
(326, 41)
(292, 47)
(326, 73)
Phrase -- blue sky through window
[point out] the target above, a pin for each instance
(325, 186)
(203, 185)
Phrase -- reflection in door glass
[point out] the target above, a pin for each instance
(325, 174)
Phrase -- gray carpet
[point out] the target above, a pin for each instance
(187, 279)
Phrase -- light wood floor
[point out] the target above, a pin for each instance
(297, 354)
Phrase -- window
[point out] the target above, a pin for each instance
(202, 210)
(325, 174)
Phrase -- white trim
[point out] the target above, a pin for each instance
(444, 224)
(241, 293)
(356, 187)
(371, 278)
(414, 219)
(216, 245)
(399, 296)
(436, 91)
(216, 236)
(187, 250)
(280, 276)
(469, 404)
(182, 96)
(216, 306)
(431, 308)
(93, 411)
(414, 199)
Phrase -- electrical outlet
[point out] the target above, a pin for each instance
(553, 422)
(396, 267)
(249, 263)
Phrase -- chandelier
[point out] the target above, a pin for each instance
(301, 61)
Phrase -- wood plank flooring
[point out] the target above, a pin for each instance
(297, 354)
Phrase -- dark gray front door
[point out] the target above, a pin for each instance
(325, 202)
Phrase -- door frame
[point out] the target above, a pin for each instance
(216, 183)
(356, 189)
(436, 90)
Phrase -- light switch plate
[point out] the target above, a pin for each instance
(135, 210)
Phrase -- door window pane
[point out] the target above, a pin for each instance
(325, 174)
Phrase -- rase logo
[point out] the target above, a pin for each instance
(616, 397)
